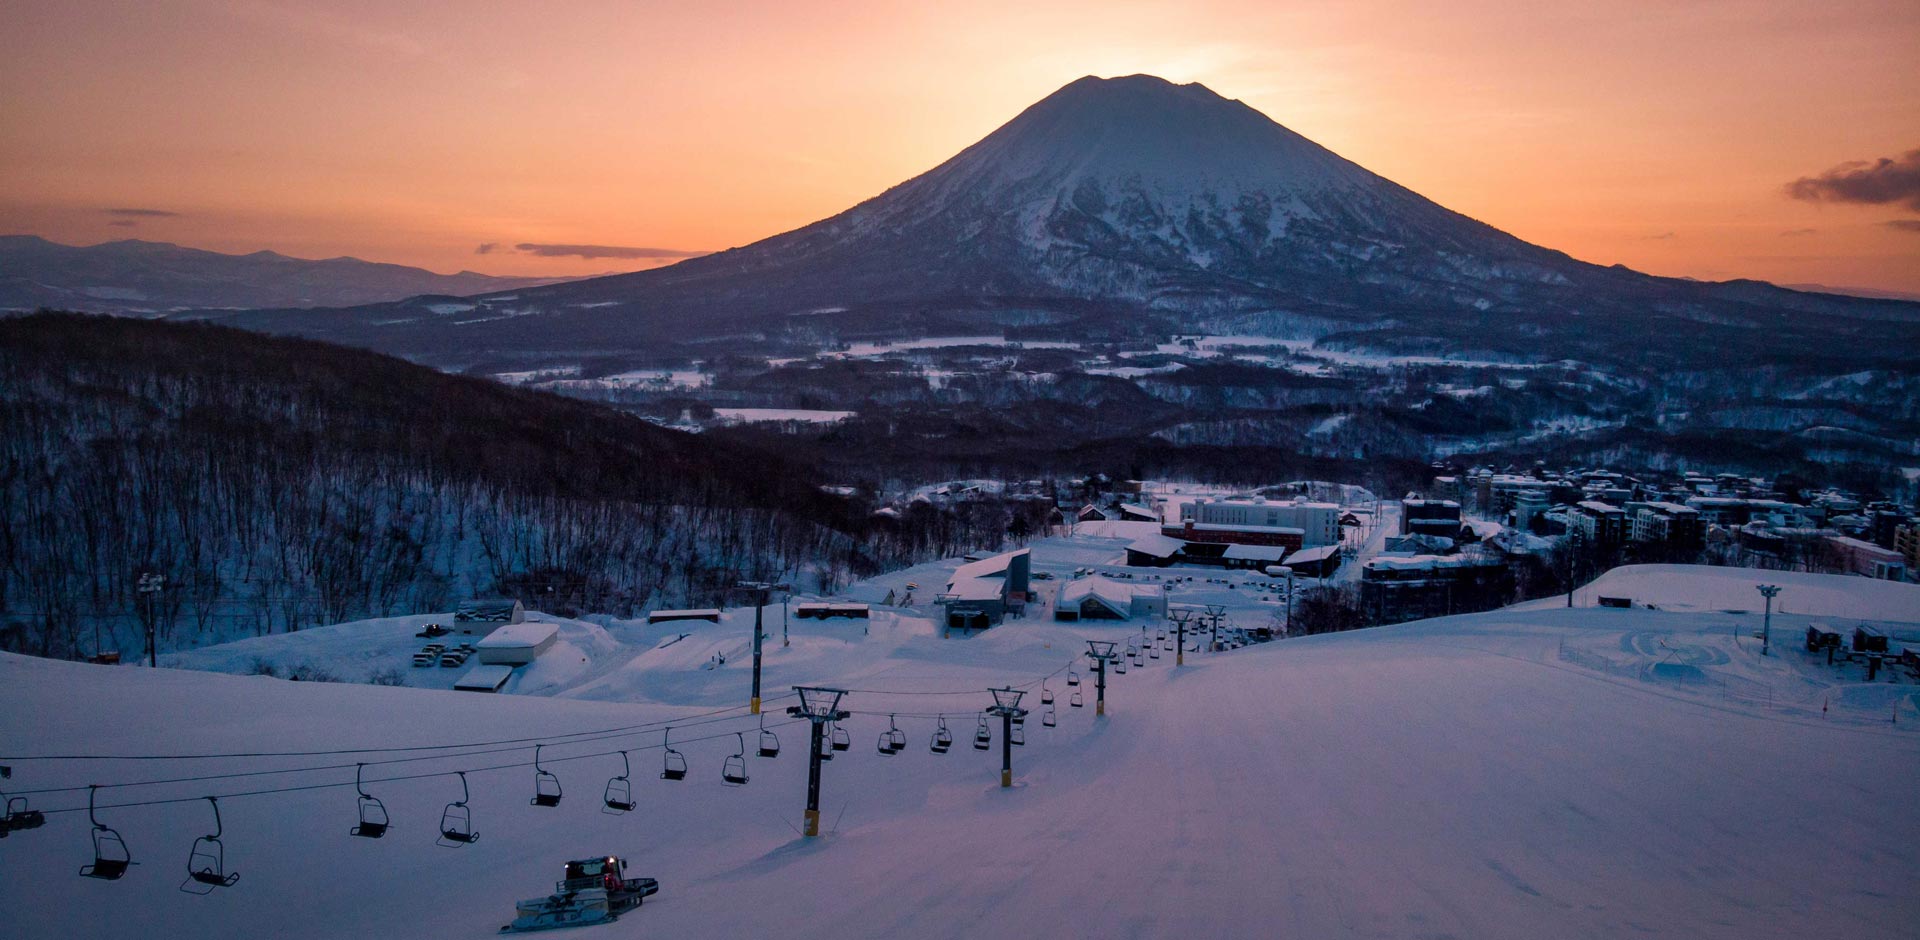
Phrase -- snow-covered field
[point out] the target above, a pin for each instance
(1527, 773)
(1704, 588)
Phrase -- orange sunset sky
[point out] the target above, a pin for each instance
(1661, 135)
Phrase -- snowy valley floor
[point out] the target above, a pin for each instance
(1538, 773)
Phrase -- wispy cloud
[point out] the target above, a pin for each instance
(141, 213)
(1663, 236)
(1873, 183)
(340, 29)
(486, 248)
(1904, 225)
(598, 251)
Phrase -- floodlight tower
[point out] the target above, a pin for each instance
(760, 591)
(1768, 591)
(1006, 704)
(1215, 614)
(819, 706)
(1101, 652)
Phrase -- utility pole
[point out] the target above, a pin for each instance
(760, 591)
(1101, 651)
(819, 706)
(149, 588)
(1768, 591)
(1006, 704)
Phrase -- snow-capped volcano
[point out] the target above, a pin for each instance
(1113, 208)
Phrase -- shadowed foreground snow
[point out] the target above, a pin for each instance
(1517, 774)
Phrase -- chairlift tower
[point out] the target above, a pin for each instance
(819, 706)
(1180, 617)
(1101, 652)
(1006, 704)
(1768, 591)
(760, 590)
(1215, 614)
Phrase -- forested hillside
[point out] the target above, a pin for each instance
(278, 483)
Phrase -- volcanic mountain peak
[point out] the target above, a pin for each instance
(1174, 138)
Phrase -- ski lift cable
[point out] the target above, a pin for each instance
(241, 774)
(399, 749)
(389, 750)
(517, 765)
(974, 691)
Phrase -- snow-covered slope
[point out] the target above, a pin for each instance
(1706, 588)
(1517, 774)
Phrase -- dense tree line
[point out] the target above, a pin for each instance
(277, 483)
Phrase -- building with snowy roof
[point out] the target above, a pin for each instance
(1319, 562)
(516, 644)
(982, 593)
(1098, 597)
(1602, 525)
(1665, 524)
(1397, 588)
(1259, 519)
(1429, 517)
(481, 616)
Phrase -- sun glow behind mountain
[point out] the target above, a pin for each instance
(619, 136)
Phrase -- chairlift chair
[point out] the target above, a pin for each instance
(110, 855)
(373, 820)
(1018, 737)
(942, 738)
(546, 786)
(982, 736)
(769, 742)
(673, 764)
(826, 741)
(1153, 652)
(456, 821)
(734, 769)
(1073, 678)
(1076, 701)
(840, 739)
(893, 740)
(1120, 666)
(1048, 718)
(207, 860)
(618, 797)
(19, 816)
(1046, 694)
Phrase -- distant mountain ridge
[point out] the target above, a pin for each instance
(1116, 209)
(134, 276)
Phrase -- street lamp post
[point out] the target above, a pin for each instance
(1768, 591)
(149, 588)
